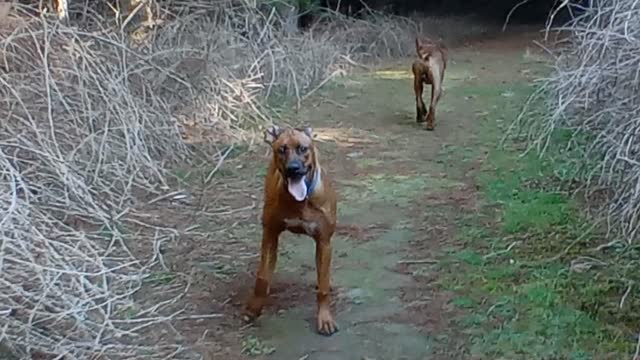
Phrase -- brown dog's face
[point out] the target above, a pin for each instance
(294, 155)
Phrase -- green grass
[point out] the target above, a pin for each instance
(161, 278)
(526, 207)
(253, 346)
(393, 189)
(517, 301)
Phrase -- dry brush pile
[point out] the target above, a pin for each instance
(594, 91)
(92, 121)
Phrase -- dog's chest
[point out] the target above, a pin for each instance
(299, 225)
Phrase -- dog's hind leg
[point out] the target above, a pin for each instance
(431, 117)
(268, 260)
(326, 324)
(435, 75)
(417, 69)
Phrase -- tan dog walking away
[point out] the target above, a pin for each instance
(429, 70)
(298, 197)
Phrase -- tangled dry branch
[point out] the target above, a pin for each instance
(593, 91)
(84, 130)
(93, 118)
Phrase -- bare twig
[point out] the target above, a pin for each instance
(199, 317)
(417, 261)
(625, 295)
(496, 253)
(513, 9)
(221, 159)
(322, 83)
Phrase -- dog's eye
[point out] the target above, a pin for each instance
(303, 149)
(282, 149)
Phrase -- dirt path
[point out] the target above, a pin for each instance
(403, 193)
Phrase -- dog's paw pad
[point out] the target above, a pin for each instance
(249, 317)
(326, 325)
(329, 330)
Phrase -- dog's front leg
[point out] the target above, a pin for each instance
(268, 258)
(326, 325)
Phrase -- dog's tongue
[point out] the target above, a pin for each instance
(298, 188)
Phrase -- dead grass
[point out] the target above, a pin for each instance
(592, 97)
(585, 119)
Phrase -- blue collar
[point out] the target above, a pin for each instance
(313, 184)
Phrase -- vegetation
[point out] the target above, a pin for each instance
(581, 123)
(117, 135)
(526, 284)
(96, 113)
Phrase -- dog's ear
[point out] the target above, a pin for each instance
(308, 131)
(272, 133)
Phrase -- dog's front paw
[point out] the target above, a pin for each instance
(430, 122)
(326, 325)
(253, 309)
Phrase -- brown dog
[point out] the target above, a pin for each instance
(298, 197)
(429, 70)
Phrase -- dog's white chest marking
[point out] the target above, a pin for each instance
(308, 227)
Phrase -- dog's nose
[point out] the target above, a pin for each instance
(294, 166)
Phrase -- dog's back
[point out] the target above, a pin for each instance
(427, 49)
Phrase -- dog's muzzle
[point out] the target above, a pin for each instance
(296, 180)
(296, 169)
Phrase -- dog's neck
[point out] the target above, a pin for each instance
(312, 184)
(316, 176)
